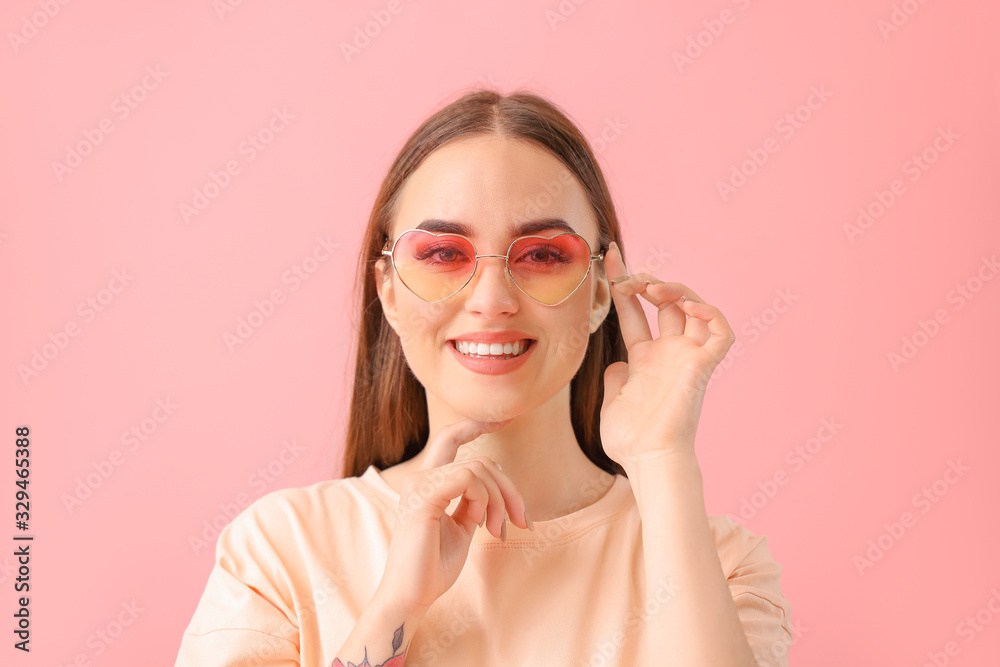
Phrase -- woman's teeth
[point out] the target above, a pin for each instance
(499, 350)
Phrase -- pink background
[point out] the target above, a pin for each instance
(668, 131)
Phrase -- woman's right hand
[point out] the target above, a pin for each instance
(429, 547)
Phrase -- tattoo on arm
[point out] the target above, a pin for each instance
(393, 661)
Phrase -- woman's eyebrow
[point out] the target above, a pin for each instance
(524, 229)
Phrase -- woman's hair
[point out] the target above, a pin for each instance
(388, 418)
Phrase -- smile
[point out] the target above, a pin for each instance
(492, 350)
(496, 358)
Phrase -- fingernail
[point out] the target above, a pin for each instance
(527, 520)
(619, 251)
(503, 530)
(687, 298)
(499, 467)
(483, 522)
(619, 279)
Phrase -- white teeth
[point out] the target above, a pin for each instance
(491, 349)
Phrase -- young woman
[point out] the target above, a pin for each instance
(521, 484)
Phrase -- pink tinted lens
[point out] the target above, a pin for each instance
(437, 266)
(549, 270)
(434, 267)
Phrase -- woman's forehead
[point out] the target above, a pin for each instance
(495, 188)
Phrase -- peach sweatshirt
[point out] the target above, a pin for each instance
(295, 569)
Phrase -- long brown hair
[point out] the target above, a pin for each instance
(388, 418)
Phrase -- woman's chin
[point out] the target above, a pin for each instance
(489, 414)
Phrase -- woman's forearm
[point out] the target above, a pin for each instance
(698, 626)
(382, 633)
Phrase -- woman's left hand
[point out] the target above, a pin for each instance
(653, 402)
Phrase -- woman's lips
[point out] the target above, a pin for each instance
(488, 366)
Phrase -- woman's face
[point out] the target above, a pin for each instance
(493, 185)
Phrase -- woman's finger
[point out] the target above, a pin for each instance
(496, 506)
(442, 449)
(631, 317)
(666, 296)
(435, 489)
(722, 336)
(486, 492)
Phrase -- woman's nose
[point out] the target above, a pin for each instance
(491, 290)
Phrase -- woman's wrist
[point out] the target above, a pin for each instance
(388, 607)
(383, 631)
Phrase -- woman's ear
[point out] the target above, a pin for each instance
(386, 292)
(601, 305)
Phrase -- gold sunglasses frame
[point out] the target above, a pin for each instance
(506, 259)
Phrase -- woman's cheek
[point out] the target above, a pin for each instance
(417, 334)
(416, 322)
(572, 345)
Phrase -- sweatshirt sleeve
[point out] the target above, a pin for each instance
(243, 617)
(754, 579)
